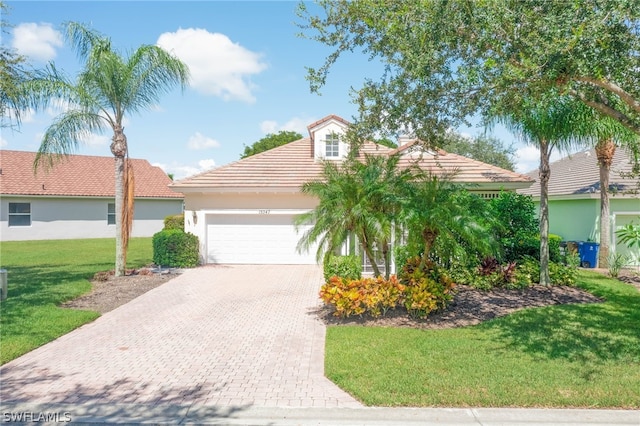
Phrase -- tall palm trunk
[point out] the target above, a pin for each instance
(544, 175)
(119, 151)
(605, 150)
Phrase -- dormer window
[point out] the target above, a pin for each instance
(332, 146)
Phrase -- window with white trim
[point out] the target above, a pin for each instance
(111, 214)
(19, 214)
(332, 146)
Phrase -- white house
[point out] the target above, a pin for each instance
(76, 198)
(243, 212)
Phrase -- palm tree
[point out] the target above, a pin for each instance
(358, 198)
(437, 209)
(108, 87)
(548, 123)
(608, 134)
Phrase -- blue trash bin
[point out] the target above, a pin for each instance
(588, 252)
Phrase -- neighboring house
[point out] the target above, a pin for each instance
(75, 199)
(243, 212)
(574, 198)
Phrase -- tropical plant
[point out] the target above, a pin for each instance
(630, 236)
(441, 216)
(360, 197)
(547, 124)
(617, 261)
(108, 88)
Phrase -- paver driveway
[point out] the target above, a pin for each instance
(215, 335)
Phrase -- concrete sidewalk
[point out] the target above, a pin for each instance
(251, 415)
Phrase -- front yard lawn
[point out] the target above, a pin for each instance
(559, 356)
(44, 274)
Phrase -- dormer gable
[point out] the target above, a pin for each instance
(327, 138)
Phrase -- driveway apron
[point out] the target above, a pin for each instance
(213, 336)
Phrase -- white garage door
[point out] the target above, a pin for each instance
(255, 239)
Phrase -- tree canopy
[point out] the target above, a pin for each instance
(447, 60)
(272, 140)
(487, 149)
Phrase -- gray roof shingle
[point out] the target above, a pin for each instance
(578, 174)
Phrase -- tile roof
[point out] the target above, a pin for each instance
(285, 168)
(77, 176)
(578, 174)
(288, 167)
(464, 170)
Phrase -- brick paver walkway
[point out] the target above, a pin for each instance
(214, 336)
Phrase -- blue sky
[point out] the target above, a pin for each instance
(248, 76)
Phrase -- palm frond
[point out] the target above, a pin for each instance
(65, 135)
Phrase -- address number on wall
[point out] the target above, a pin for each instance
(264, 211)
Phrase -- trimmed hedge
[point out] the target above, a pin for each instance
(175, 221)
(175, 248)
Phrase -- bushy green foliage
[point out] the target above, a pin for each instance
(347, 267)
(175, 221)
(373, 296)
(175, 248)
(270, 141)
(554, 248)
(516, 225)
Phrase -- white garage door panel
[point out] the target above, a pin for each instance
(255, 239)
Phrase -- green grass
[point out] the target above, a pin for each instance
(44, 274)
(560, 356)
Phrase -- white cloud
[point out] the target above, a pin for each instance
(295, 124)
(180, 171)
(527, 158)
(37, 41)
(3, 142)
(199, 141)
(218, 66)
(268, 126)
(95, 141)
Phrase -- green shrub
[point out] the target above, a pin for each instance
(559, 274)
(175, 248)
(174, 222)
(554, 248)
(348, 267)
(373, 296)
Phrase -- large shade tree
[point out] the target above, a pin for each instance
(447, 60)
(109, 87)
